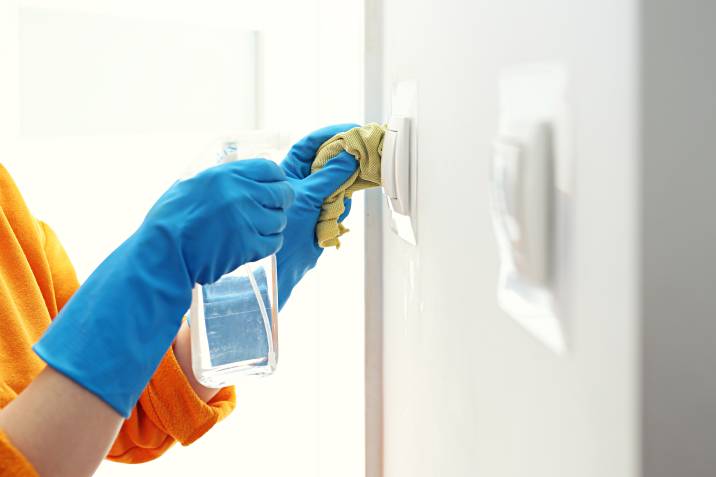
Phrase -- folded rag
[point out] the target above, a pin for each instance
(365, 143)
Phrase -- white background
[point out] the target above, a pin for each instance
(91, 161)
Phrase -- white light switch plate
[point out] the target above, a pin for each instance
(532, 206)
(404, 103)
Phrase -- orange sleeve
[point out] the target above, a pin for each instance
(64, 279)
(14, 463)
(168, 410)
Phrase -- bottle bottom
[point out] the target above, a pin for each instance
(228, 374)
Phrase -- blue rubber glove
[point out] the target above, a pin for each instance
(112, 334)
(300, 250)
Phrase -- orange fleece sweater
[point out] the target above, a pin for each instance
(36, 280)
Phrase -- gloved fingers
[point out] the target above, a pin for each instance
(275, 195)
(328, 179)
(259, 170)
(298, 161)
(347, 205)
(268, 222)
(258, 249)
(269, 244)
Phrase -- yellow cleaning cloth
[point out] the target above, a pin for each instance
(365, 143)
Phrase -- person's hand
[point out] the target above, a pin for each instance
(112, 334)
(224, 217)
(300, 250)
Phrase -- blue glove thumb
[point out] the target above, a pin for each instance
(297, 163)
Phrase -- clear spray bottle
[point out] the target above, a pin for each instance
(234, 321)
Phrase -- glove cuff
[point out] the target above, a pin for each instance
(112, 334)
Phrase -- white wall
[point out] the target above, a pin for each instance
(467, 392)
(94, 186)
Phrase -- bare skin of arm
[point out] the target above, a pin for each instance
(72, 436)
(182, 352)
(60, 427)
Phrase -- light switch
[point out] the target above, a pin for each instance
(522, 183)
(387, 169)
(531, 198)
(399, 161)
(395, 164)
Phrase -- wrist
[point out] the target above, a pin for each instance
(182, 353)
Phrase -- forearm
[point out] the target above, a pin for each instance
(60, 427)
(182, 352)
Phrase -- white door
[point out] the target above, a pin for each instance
(467, 390)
